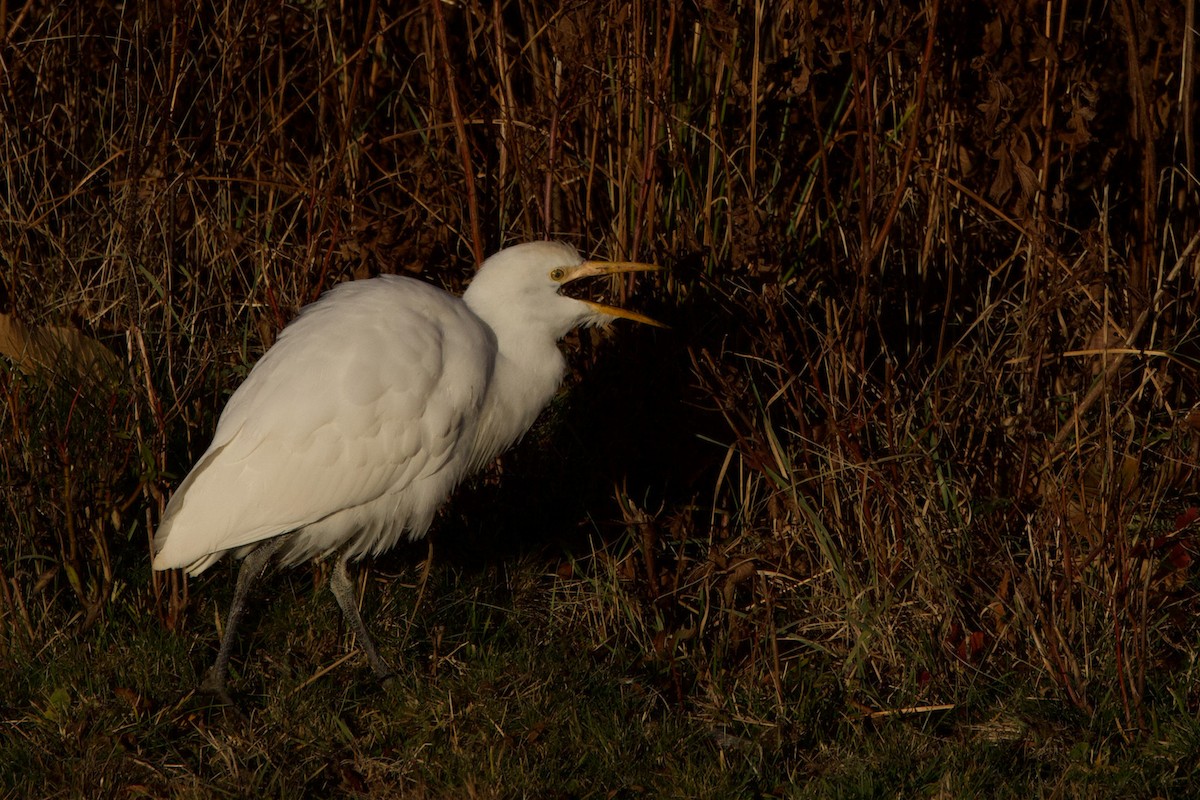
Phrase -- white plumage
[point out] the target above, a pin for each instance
(370, 408)
(354, 424)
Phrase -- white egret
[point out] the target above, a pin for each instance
(371, 406)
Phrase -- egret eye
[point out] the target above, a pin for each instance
(557, 274)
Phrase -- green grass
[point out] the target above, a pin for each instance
(495, 697)
(503, 691)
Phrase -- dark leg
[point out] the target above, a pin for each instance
(253, 566)
(343, 590)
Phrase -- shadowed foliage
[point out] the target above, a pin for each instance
(919, 450)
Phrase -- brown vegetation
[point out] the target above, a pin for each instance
(933, 290)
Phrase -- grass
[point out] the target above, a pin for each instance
(905, 503)
(483, 707)
(505, 690)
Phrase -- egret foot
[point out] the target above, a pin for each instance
(253, 566)
(347, 599)
(214, 685)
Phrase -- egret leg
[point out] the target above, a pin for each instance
(343, 589)
(253, 566)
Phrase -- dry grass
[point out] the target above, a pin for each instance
(927, 423)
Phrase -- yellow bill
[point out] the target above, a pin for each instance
(590, 269)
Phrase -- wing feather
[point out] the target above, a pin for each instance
(370, 390)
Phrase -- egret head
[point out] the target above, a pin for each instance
(522, 283)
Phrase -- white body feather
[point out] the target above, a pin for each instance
(370, 408)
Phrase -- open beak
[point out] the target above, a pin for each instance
(590, 269)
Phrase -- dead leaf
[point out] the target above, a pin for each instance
(56, 349)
